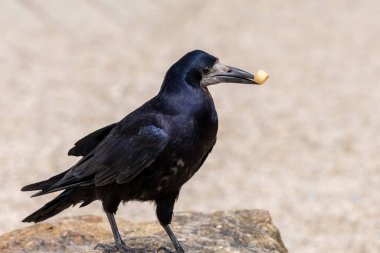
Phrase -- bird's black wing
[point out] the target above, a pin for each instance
(122, 158)
(119, 158)
(90, 141)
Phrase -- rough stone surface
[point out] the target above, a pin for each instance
(233, 231)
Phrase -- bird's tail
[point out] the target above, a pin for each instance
(43, 185)
(62, 201)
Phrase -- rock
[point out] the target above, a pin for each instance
(232, 231)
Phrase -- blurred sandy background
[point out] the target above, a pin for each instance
(305, 146)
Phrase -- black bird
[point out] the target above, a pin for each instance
(148, 155)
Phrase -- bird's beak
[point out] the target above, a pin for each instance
(220, 73)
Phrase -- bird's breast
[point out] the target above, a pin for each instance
(195, 135)
(196, 130)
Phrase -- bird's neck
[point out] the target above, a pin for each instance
(186, 98)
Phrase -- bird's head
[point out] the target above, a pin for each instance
(201, 69)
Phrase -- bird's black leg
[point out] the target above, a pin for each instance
(115, 230)
(174, 240)
(119, 245)
(164, 213)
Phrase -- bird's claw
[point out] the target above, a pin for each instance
(107, 248)
(166, 250)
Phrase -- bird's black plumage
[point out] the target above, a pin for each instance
(149, 154)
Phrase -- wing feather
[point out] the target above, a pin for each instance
(85, 145)
(119, 158)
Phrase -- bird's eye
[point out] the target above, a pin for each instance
(205, 71)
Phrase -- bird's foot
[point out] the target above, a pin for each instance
(166, 250)
(107, 248)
